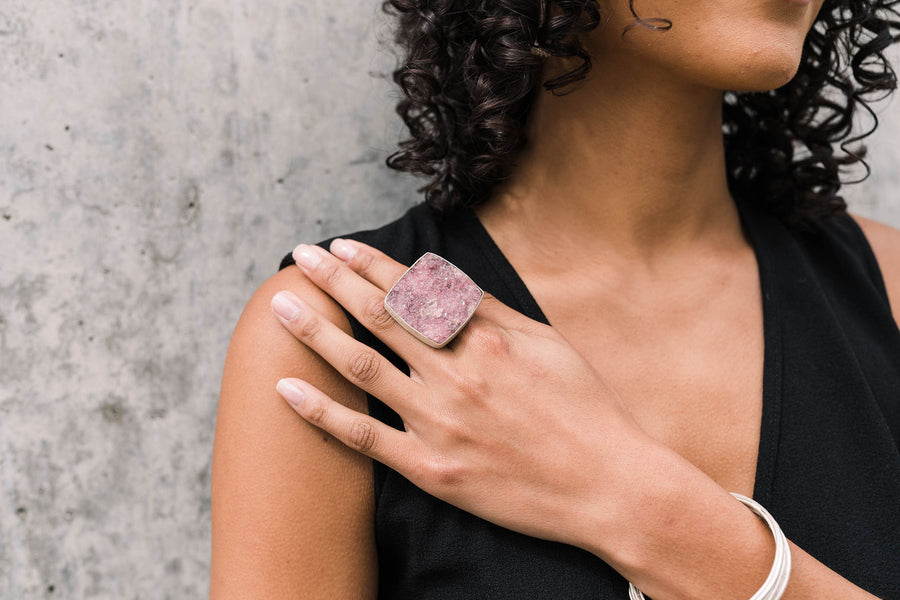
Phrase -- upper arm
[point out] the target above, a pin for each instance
(292, 508)
(885, 242)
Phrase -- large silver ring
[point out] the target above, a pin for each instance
(433, 300)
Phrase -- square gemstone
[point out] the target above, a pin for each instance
(433, 300)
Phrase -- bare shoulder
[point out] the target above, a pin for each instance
(885, 242)
(292, 508)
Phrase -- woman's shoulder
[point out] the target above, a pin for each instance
(884, 241)
(279, 486)
(272, 471)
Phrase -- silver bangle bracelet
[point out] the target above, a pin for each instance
(773, 587)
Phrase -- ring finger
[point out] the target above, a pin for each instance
(382, 271)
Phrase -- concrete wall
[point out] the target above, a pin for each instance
(156, 160)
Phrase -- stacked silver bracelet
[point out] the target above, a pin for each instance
(773, 587)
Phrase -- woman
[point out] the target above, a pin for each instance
(719, 324)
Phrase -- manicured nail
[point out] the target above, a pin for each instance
(343, 249)
(291, 392)
(286, 305)
(306, 257)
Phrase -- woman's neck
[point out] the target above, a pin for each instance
(630, 162)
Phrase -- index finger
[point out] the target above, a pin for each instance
(380, 269)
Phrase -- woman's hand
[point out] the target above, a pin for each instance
(509, 422)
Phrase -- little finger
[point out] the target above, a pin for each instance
(355, 430)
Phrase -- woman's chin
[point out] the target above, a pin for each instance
(757, 72)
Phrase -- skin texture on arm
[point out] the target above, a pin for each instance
(291, 506)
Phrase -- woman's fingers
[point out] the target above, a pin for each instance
(375, 266)
(362, 299)
(383, 272)
(356, 362)
(357, 431)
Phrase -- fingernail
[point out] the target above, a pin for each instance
(286, 305)
(291, 392)
(306, 257)
(343, 249)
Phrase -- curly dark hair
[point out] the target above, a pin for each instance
(469, 79)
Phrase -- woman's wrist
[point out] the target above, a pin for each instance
(675, 533)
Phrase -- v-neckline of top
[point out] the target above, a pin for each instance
(751, 221)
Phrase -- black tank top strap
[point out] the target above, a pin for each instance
(845, 234)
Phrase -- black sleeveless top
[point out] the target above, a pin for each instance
(829, 453)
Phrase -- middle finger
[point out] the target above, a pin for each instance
(358, 363)
(361, 299)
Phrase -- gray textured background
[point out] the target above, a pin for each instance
(158, 158)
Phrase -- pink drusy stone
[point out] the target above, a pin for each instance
(433, 299)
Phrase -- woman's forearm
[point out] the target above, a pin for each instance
(676, 534)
